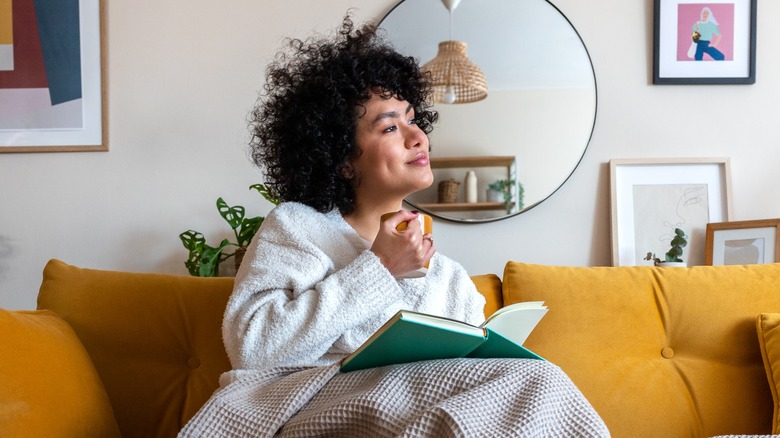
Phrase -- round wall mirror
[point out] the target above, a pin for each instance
(526, 138)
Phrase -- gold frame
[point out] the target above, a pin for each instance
(103, 146)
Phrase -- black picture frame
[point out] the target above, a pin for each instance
(671, 66)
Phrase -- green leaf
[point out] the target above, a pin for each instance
(263, 189)
(192, 240)
(208, 269)
(248, 230)
(679, 238)
(195, 243)
(673, 255)
(210, 258)
(193, 267)
(233, 215)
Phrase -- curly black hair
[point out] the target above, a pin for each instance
(303, 127)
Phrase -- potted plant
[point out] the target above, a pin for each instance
(203, 259)
(673, 257)
(501, 191)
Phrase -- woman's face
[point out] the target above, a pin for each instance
(393, 161)
(704, 14)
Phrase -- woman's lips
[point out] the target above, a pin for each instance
(420, 160)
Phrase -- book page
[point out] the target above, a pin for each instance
(517, 321)
(515, 306)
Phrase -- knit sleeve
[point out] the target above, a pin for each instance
(300, 289)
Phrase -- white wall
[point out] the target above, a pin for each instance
(182, 76)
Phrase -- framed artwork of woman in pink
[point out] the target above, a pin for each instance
(703, 42)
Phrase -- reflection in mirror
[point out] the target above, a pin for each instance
(536, 122)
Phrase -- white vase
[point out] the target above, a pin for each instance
(672, 265)
(471, 187)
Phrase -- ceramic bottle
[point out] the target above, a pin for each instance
(471, 187)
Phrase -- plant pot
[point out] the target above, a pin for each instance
(672, 265)
(494, 196)
(239, 257)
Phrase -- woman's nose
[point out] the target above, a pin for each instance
(415, 137)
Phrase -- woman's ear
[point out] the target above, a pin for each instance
(347, 171)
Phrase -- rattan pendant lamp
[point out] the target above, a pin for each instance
(455, 78)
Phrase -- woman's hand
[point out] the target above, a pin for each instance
(715, 41)
(402, 251)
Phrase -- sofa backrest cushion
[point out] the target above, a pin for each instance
(48, 385)
(489, 285)
(657, 351)
(154, 339)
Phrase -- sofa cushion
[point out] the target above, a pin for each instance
(489, 285)
(155, 339)
(48, 385)
(674, 348)
(768, 325)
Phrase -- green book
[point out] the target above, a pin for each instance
(412, 336)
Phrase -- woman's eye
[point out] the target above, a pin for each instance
(413, 121)
(390, 128)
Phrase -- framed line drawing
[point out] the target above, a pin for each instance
(651, 197)
(743, 242)
(52, 76)
(704, 42)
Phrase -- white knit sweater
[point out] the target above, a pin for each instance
(310, 292)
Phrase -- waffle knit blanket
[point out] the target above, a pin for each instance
(453, 398)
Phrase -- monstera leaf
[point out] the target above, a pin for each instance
(232, 215)
(248, 230)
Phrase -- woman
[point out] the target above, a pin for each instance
(708, 36)
(341, 135)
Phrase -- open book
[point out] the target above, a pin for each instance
(412, 336)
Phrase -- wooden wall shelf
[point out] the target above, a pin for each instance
(485, 161)
(463, 206)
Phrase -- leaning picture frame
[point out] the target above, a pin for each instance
(52, 77)
(704, 42)
(743, 242)
(650, 197)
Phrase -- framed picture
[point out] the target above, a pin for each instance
(52, 76)
(704, 42)
(652, 197)
(743, 242)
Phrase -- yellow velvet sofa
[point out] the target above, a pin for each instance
(659, 352)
